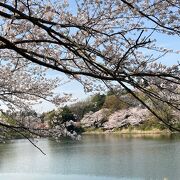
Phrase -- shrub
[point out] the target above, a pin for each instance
(114, 103)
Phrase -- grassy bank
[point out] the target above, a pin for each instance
(125, 131)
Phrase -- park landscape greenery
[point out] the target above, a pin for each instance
(116, 103)
(76, 111)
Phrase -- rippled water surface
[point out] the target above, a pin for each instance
(95, 157)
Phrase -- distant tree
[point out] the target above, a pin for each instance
(80, 108)
(66, 114)
(98, 101)
(114, 103)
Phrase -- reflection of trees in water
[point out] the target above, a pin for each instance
(101, 155)
(6, 152)
(20, 156)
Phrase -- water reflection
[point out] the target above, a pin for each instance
(118, 156)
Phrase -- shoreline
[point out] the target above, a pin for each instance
(130, 132)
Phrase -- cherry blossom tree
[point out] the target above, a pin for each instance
(22, 85)
(98, 41)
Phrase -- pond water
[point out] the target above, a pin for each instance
(95, 157)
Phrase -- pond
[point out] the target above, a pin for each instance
(95, 157)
